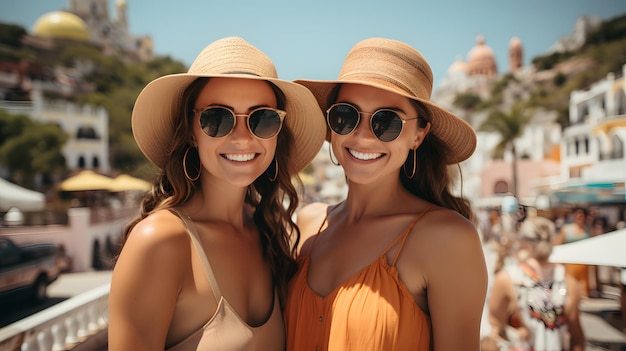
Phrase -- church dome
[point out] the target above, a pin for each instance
(61, 25)
(515, 43)
(458, 66)
(481, 60)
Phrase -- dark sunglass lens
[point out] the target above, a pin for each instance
(264, 123)
(386, 125)
(342, 119)
(216, 122)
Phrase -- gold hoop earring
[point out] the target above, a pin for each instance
(330, 154)
(414, 164)
(275, 162)
(192, 179)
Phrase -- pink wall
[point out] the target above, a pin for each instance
(527, 172)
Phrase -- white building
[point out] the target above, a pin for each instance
(593, 148)
(86, 127)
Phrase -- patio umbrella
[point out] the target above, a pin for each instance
(603, 250)
(307, 179)
(85, 181)
(125, 182)
(13, 195)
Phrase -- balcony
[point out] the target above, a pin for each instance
(79, 323)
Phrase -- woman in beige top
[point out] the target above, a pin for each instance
(205, 265)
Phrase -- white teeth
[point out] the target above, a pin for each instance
(364, 156)
(239, 157)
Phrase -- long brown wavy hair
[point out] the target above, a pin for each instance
(432, 180)
(278, 234)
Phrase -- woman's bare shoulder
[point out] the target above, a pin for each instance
(311, 214)
(161, 230)
(449, 224)
(154, 255)
(309, 219)
(312, 210)
(453, 237)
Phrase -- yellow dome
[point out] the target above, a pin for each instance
(61, 25)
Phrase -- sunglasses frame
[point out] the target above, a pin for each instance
(358, 121)
(198, 113)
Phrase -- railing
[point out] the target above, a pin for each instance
(64, 326)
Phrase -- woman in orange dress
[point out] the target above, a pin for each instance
(397, 265)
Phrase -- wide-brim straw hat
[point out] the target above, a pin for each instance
(397, 67)
(158, 106)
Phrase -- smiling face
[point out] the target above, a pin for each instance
(363, 156)
(240, 157)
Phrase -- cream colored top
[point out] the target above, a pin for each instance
(226, 330)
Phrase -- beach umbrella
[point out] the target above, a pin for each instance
(13, 195)
(86, 180)
(607, 249)
(307, 179)
(125, 182)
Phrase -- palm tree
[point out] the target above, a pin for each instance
(469, 103)
(509, 127)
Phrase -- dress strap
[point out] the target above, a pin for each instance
(404, 235)
(319, 230)
(204, 260)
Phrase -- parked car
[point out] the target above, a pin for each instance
(28, 268)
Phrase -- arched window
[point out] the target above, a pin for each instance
(501, 187)
(96, 162)
(81, 162)
(617, 148)
(601, 150)
(86, 133)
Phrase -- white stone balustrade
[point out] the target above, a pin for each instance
(62, 326)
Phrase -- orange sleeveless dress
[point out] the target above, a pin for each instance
(372, 310)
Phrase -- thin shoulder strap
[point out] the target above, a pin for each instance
(319, 230)
(204, 260)
(404, 235)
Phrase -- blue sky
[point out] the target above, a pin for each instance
(310, 39)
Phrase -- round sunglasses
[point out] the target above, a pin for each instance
(218, 121)
(386, 125)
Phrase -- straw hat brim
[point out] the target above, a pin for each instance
(153, 121)
(457, 134)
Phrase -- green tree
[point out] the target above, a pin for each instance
(468, 102)
(29, 148)
(11, 35)
(117, 84)
(509, 127)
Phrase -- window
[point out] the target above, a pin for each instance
(617, 148)
(86, 133)
(501, 187)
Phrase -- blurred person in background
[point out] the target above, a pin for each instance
(535, 305)
(599, 274)
(577, 229)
